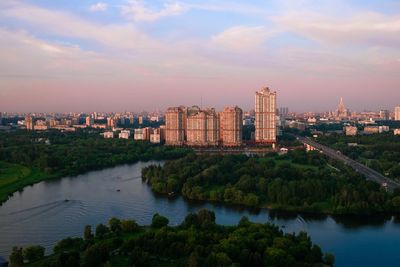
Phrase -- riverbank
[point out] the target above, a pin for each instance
(352, 239)
(27, 158)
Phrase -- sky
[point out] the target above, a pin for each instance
(135, 55)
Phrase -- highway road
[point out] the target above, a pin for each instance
(369, 173)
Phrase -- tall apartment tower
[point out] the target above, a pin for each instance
(397, 113)
(175, 126)
(384, 114)
(265, 116)
(231, 125)
(29, 123)
(89, 121)
(202, 127)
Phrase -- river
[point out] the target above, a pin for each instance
(49, 211)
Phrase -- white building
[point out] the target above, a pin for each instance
(108, 135)
(125, 134)
(383, 129)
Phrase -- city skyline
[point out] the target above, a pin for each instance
(147, 55)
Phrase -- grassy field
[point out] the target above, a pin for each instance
(15, 176)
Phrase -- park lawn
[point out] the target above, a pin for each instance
(13, 177)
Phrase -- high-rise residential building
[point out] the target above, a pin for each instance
(265, 116)
(202, 127)
(283, 112)
(384, 114)
(29, 123)
(175, 126)
(89, 121)
(231, 119)
(111, 122)
(397, 113)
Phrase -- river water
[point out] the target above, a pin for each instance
(49, 211)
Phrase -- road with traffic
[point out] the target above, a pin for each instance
(369, 173)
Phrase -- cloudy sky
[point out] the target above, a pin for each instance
(83, 55)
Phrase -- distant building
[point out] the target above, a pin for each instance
(111, 122)
(89, 121)
(371, 129)
(296, 125)
(175, 122)
(40, 127)
(142, 134)
(283, 112)
(231, 126)
(140, 120)
(265, 116)
(125, 134)
(351, 130)
(342, 112)
(396, 132)
(397, 113)
(384, 114)
(157, 135)
(384, 129)
(29, 123)
(108, 135)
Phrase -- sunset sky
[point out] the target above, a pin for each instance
(81, 55)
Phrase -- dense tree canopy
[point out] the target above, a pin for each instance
(378, 151)
(298, 181)
(197, 241)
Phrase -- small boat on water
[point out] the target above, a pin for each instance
(118, 190)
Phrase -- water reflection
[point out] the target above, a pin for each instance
(49, 211)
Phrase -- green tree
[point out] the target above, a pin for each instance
(101, 230)
(329, 259)
(33, 253)
(159, 221)
(16, 257)
(115, 225)
(87, 233)
(129, 226)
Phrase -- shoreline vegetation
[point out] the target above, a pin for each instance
(197, 241)
(298, 182)
(27, 158)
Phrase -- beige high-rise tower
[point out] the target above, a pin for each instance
(397, 113)
(231, 125)
(202, 127)
(265, 116)
(175, 126)
(29, 123)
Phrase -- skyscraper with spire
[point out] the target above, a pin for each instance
(342, 112)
